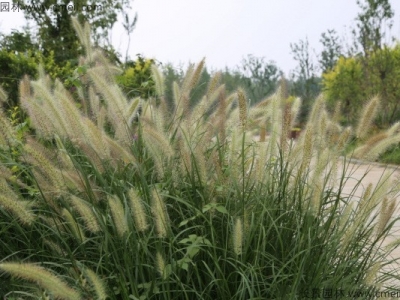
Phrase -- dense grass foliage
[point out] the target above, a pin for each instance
(184, 203)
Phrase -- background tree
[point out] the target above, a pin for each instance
(375, 17)
(259, 77)
(331, 50)
(373, 71)
(55, 29)
(344, 83)
(129, 26)
(304, 82)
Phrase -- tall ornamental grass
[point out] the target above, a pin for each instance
(183, 202)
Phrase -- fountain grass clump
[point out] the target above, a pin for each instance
(192, 207)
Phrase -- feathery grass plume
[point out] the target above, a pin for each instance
(295, 109)
(321, 164)
(157, 140)
(118, 152)
(6, 131)
(185, 87)
(83, 33)
(160, 214)
(367, 116)
(118, 214)
(284, 92)
(364, 208)
(362, 150)
(177, 98)
(43, 278)
(159, 119)
(158, 161)
(63, 158)
(158, 80)
(337, 113)
(307, 150)
(24, 90)
(323, 124)
(381, 147)
(51, 106)
(97, 283)
(261, 161)
(101, 119)
(116, 102)
(160, 265)
(198, 155)
(343, 139)
(196, 74)
(79, 30)
(318, 106)
(73, 117)
(95, 139)
(35, 154)
(185, 162)
(39, 120)
(11, 203)
(90, 154)
(386, 212)
(73, 225)
(3, 95)
(317, 190)
(132, 111)
(88, 46)
(103, 66)
(8, 175)
(94, 102)
(394, 129)
(237, 236)
(286, 121)
(370, 277)
(275, 124)
(242, 107)
(213, 84)
(137, 210)
(86, 213)
(55, 247)
(198, 113)
(222, 117)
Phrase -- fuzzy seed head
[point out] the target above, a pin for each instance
(118, 214)
(138, 211)
(43, 278)
(367, 117)
(237, 236)
(86, 213)
(242, 107)
(97, 284)
(160, 215)
(160, 264)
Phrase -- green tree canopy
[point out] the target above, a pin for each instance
(55, 30)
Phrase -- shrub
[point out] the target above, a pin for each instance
(182, 204)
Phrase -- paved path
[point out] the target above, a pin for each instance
(372, 173)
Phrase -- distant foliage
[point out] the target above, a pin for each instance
(14, 65)
(136, 78)
(345, 83)
(354, 79)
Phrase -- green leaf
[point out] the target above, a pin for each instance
(222, 209)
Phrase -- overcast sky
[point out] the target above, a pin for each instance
(225, 31)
